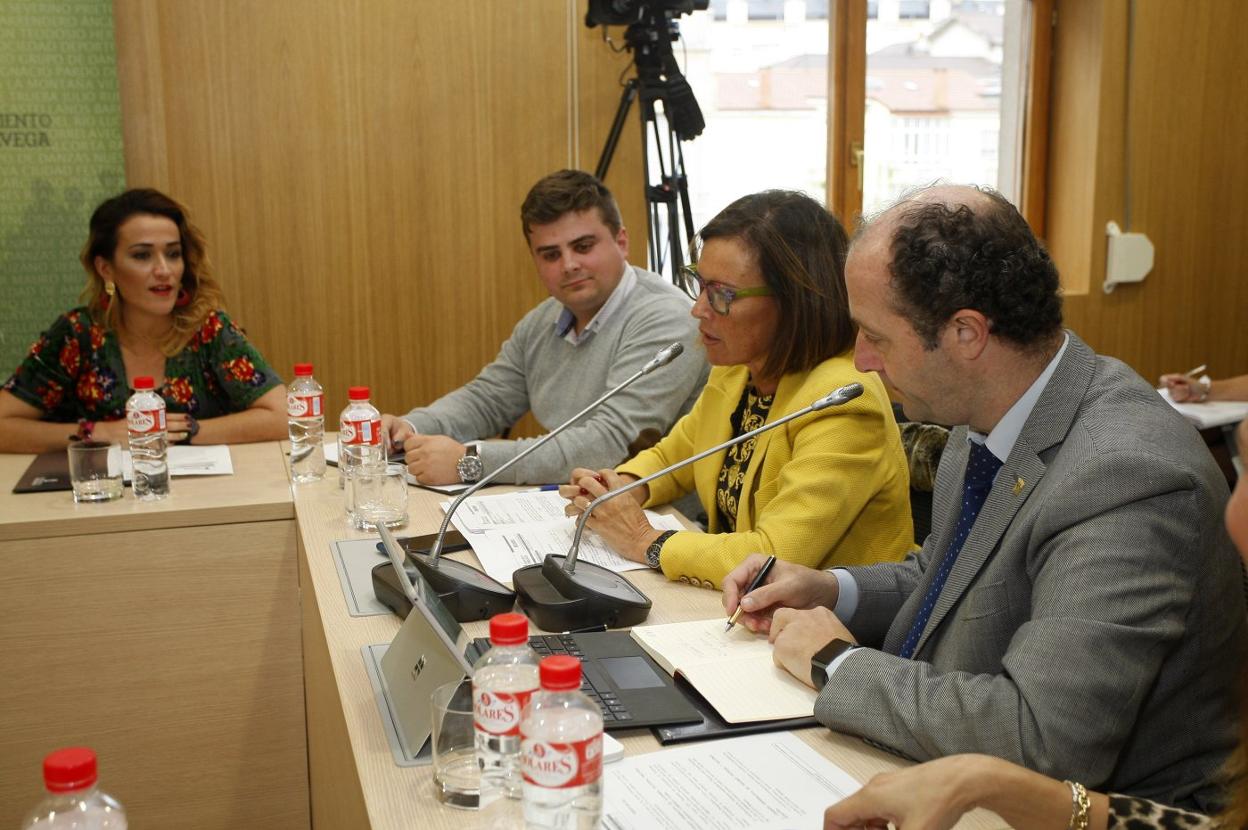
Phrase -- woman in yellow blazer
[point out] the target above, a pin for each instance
(830, 488)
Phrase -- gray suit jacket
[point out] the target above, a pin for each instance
(1093, 626)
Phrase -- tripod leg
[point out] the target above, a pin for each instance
(627, 96)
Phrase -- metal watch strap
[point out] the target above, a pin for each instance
(652, 552)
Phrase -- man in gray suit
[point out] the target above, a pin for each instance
(1078, 607)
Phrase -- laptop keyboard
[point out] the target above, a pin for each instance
(613, 712)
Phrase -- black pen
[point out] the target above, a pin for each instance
(758, 580)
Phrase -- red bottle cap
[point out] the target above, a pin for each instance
(303, 370)
(560, 673)
(69, 769)
(144, 383)
(509, 629)
(358, 393)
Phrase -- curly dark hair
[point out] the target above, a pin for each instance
(947, 257)
(568, 191)
(800, 248)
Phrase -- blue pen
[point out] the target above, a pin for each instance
(545, 488)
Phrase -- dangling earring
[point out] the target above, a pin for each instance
(110, 289)
(107, 299)
(184, 298)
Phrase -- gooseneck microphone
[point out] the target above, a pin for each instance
(559, 597)
(479, 594)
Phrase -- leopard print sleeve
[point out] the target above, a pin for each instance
(1130, 813)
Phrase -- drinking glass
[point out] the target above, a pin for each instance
(95, 471)
(457, 780)
(378, 496)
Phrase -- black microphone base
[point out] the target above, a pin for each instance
(469, 594)
(590, 596)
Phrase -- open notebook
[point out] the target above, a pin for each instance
(733, 670)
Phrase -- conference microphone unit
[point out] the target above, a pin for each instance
(561, 594)
(476, 595)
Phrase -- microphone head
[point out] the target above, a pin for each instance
(838, 396)
(664, 357)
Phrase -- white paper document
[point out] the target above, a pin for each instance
(1211, 414)
(187, 460)
(512, 530)
(481, 513)
(759, 782)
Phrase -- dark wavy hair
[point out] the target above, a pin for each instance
(568, 191)
(205, 293)
(800, 249)
(948, 257)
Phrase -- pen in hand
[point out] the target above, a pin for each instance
(758, 579)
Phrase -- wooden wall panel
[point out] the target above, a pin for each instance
(358, 167)
(1161, 138)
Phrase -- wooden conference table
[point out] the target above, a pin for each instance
(185, 640)
(164, 635)
(355, 782)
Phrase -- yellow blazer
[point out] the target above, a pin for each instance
(830, 488)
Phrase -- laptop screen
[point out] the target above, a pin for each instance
(428, 603)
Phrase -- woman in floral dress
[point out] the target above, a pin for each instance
(151, 308)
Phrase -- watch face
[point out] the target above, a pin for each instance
(469, 468)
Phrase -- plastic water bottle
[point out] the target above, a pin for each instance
(305, 412)
(74, 803)
(145, 420)
(502, 681)
(561, 751)
(360, 444)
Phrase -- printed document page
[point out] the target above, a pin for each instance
(1211, 414)
(507, 548)
(187, 460)
(759, 782)
(733, 670)
(481, 513)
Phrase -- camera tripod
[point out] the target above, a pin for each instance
(667, 200)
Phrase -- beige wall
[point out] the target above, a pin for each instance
(1163, 137)
(358, 167)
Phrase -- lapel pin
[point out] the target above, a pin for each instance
(1018, 486)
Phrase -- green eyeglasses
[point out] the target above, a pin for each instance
(718, 295)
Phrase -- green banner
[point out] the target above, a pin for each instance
(60, 156)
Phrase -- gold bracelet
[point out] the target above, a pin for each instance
(1079, 806)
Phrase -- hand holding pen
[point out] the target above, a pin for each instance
(786, 585)
(1190, 387)
(759, 579)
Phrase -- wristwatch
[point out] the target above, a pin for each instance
(470, 467)
(823, 658)
(652, 552)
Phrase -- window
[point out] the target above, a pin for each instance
(936, 104)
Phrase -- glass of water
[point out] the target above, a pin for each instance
(95, 471)
(379, 496)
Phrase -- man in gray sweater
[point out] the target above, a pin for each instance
(603, 321)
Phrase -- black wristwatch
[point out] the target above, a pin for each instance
(652, 552)
(470, 467)
(823, 657)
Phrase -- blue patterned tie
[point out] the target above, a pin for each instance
(981, 469)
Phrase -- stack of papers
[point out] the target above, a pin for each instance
(187, 460)
(510, 531)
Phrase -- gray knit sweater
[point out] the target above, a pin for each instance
(540, 371)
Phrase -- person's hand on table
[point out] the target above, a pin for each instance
(797, 635)
(787, 586)
(620, 521)
(931, 796)
(177, 426)
(433, 458)
(112, 431)
(398, 429)
(1185, 389)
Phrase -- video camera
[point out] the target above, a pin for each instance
(627, 12)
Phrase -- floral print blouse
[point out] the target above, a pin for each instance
(75, 371)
